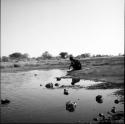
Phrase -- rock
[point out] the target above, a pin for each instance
(66, 92)
(70, 106)
(16, 65)
(58, 78)
(49, 85)
(116, 101)
(113, 110)
(35, 74)
(95, 119)
(5, 101)
(101, 115)
(40, 84)
(99, 99)
(56, 84)
(118, 115)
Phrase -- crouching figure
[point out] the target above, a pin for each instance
(75, 64)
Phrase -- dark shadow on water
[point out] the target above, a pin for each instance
(71, 86)
(75, 80)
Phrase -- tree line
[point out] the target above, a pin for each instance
(17, 56)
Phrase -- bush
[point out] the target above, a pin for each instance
(46, 55)
(63, 55)
(18, 56)
(16, 65)
(85, 55)
(5, 59)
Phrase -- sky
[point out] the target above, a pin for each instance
(73, 26)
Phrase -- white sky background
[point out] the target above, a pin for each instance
(73, 26)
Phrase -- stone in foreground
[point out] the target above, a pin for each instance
(5, 101)
(99, 99)
(49, 85)
(70, 106)
(66, 92)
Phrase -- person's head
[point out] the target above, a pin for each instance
(71, 58)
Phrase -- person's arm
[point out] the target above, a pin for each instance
(70, 66)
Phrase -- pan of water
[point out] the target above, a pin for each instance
(32, 102)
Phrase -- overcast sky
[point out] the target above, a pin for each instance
(73, 26)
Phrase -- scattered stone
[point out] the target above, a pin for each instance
(58, 78)
(35, 74)
(101, 115)
(66, 92)
(5, 101)
(113, 110)
(16, 65)
(70, 106)
(56, 84)
(49, 85)
(95, 119)
(116, 101)
(99, 99)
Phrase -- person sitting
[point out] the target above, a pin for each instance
(75, 64)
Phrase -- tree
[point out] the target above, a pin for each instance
(15, 55)
(18, 56)
(98, 55)
(46, 55)
(85, 55)
(63, 55)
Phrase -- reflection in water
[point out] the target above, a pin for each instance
(75, 80)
